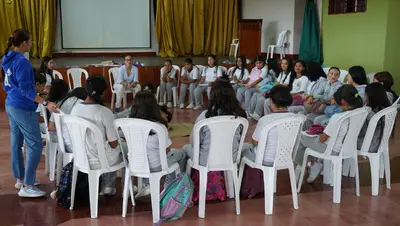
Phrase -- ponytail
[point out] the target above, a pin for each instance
(349, 94)
(95, 87)
(9, 44)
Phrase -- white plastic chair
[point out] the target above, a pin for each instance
(112, 76)
(76, 74)
(289, 131)
(326, 70)
(78, 129)
(234, 44)
(51, 147)
(136, 132)
(57, 75)
(348, 151)
(220, 156)
(370, 76)
(63, 158)
(280, 44)
(343, 75)
(389, 114)
(174, 89)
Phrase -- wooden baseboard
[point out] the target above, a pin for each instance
(105, 54)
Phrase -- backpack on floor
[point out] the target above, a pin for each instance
(63, 193)
(176, 198)
(252, 182)
(215, 185)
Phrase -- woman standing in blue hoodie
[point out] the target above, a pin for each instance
(16, 74)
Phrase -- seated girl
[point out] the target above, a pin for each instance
(316, 85)
(299, 83)
(189, 77)
(209, 76)
(40, 82)
(376, 98)
(46, 68)
(347, 98)
(258, 73)
(239, 73)
(280, 99)
(94, 110)
(167, 81)
(145, 107)
(386, 79)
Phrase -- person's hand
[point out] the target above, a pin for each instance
(308, 100)
(333, 101)
(210, 84)
(52, 107)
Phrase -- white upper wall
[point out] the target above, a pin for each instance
(277, 15)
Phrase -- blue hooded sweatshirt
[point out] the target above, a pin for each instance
(19, 81)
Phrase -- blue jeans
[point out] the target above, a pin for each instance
(24, 125)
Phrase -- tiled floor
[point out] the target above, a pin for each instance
(315, 200)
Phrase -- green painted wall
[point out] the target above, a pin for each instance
(392, 54)
(356, 38)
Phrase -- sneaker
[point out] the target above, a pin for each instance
(314, 172)
(161, 103)
(20, 183)
(31, 192)
(169, 105)
(255, 116)
(108, 191)
(182, 106)
(297, 173)
(198, 107)
(145, 191)
(190, 106)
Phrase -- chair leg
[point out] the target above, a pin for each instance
(292, 177)
(327, 172)
(228, 184)
(94, 180)
(275, 180)
(337, 180)
(126, 192)
(52, 158)
(236, 189)
(131, 192)
(354, 169)
(175, 97)
(374, 162)
(303, 169)
(202, 192)
(73, 186)
(125, 100)
(268, 190)
(155, 197)
(272, 52)
(241, 171)
(386, 158)
(268, 52)
(112, 100)
(60, 160)
(381, 166)
(236, 49)
(46, 151)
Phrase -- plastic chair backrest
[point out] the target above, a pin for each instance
(356, 121)
(58, 120)
(78, 129)
(389, 114)
(343, 74)
(136, 132)
(235, 41)
(289, 131)
(326, 70)
(57, 75)
(76, 74)
(222, 129)
(281, 38)
(370, 76)
(112, 76)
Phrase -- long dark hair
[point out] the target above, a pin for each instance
(293, 75)
(95, 87)
(272, 65)
(145, 107)
(16, 39)
(289, 69)
(349, 94)
(78, 92)
(58, 90)
(244, 66)
(358, 75)
(386, 79)
(377, 97)
(315, 71)
(43, 67)
(223, 100)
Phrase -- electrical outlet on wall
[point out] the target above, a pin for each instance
(286, 44)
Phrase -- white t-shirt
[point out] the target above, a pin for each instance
(331, 127)
(211, 73)
(193, 74)
(171, 73)
(153, 151)
(300, 84)
(103, 118)
(272, 139)
(283, 78)
(238, 73)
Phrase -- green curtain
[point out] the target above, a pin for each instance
(310, 44)
(36, 16)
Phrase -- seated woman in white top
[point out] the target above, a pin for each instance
(299, 81)
(239, 73)
(128, 79)
(92, 109)
(46, 68)
(189, 76)
(167, 81)
(209, 75)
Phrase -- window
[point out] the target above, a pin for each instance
(347, 6)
